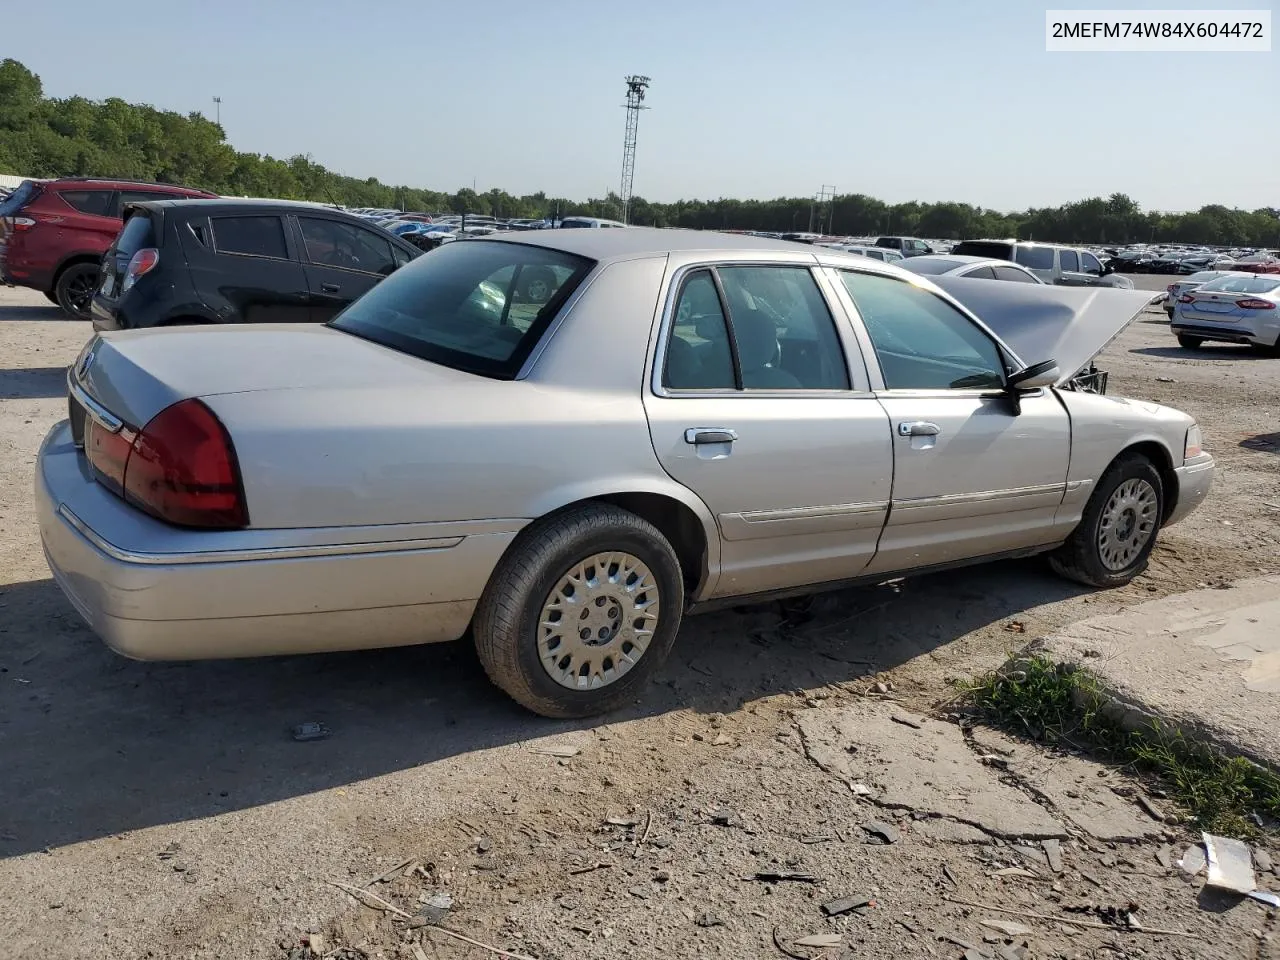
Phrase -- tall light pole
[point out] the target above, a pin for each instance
(217, 106)
(636, 86)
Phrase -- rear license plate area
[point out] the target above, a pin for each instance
(76, 414)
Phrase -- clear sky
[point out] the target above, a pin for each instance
(922, 100)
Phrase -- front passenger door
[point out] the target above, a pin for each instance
(343, 262)
(971, 477)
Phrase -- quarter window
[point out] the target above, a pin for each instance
(1070, 262)
(334, 244)
(979, 273)
(921, 341)
(251, 236)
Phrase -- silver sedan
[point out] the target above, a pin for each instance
(563, 442)
(975, 268)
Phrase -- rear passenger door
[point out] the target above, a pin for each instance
(95, 227)
(759, 403)
(253, 274)
(343, 262)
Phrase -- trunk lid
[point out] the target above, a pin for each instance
(1070, 325)
(135, 374)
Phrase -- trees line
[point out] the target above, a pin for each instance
(49, 137)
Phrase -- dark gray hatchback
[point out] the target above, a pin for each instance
(239, 261)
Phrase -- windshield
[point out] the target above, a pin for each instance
(476, 306)
(15, 201)
(1241, 285)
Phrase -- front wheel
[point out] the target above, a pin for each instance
(1191, 343)
(581, 612)
(1117, 533)
(75, 289)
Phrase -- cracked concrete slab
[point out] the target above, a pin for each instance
(1078, 789)
(922, 765)
(1206, 663)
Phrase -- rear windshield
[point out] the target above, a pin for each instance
(15, 201)
(136, 235)
(929, 265)
(990, 249)
(475, 305)
(1241, 285)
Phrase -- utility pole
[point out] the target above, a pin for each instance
(217, 106)
(636, 87)
(827, 194)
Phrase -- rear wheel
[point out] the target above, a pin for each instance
(1117, 533)
(581, 612)
(75, 287)
(1191, 343)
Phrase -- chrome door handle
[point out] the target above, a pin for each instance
(710, 435)
(918, 428)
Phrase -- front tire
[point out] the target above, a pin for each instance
(1117, 533)
(581, 612)
(1191, 343)
(74, 289)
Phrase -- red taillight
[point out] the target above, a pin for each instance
(1252, 303)
(1186, 298)
(21, 223)
(140, 264)
(183, 469)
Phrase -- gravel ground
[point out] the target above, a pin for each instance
(162, 810)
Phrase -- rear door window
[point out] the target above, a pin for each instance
(1070, 262)
(94, 202)
(250, 236)
(1035, 258)
(1016, 276)
(980, 273)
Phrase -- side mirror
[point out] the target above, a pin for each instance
(1042, 374)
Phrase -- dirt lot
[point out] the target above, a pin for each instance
(163, 810)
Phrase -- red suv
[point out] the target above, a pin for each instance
(53, 233)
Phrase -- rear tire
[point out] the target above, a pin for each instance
(1266, 351)
(613, 580)
(1191, 343)
(75, 288)
(1117, 533)
(52, 295)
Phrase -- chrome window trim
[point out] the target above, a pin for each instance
(252, 553)
(104, 417)
(828, 510)
(674, 284)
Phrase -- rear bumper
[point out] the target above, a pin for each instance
(1265, 333)
(1194, 480)
(152, 603)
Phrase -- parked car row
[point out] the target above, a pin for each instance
(383, 479)
(1188, 261)
(53, 233)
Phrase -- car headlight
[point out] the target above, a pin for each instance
(1194, 444)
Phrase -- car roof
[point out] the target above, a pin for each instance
(960, 259)
(634, 242)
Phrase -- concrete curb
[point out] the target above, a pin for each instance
(1203, 665)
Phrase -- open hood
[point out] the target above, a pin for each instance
(1070, 325)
